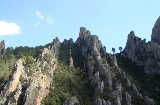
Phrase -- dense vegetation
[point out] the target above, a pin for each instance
(70, 81)
(148, 85)
(10, 55)
(73, 81)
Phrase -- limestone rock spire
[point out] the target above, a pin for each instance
(155, 37)
(71, 59)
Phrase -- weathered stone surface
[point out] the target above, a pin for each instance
(95, 81)
(148, 101)
(13, 85)
(118, 86)
(108, 102)
(128, 98)
(117, 101)
(125, 79)
(98, 102)
(155, 37)
(143, 54)
(114, 60)
(72, 101)
(71, 60)
(36, 84)
(2, 46)
(116, 94)
(135, 90)
(55, 46)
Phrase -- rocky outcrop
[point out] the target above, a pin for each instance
(71, 60)
(2, 46)
(128, 98)
(14, 85)
(103, 71)
(72, 101)
(155, 37)
(148, 101)
(100, 101)
(143, 54)
(54, 46)
(31, 83)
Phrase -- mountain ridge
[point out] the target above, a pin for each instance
(81, 72)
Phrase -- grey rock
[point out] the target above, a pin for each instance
(118, 86)
(117, 101)
(104, 102)
(144, 54)
(108, 102)
(116, 94)
(2, 46)
(148, 101)
(71, 60)
(90, 70)
(125, 79)
(55, 46)
(156, 32)
(98, 102)
(135, 90)
(72, 101)
(128, 98)
(130, 46)
(95, 80)
(114, 60)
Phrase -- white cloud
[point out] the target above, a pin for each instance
(9, 28)
(49, 19)
(37, 24)
(45, 18)
(39, 15)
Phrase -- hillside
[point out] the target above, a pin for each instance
(81, 73)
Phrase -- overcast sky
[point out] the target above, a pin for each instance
(38, 22)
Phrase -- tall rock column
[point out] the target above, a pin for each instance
(71, 60)
(155, 37)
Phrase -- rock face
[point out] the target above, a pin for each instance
(31, 83)
(127, 98)
(2, 46)
(71, 60)
(72, 101)
(143, 54)
(13, 85)
(148, 101)
(54, 46)
(103, 72)
(155, 37)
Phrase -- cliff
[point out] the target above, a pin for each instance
(145, 54)
(106, 77)
(33, 83)
(83, 73)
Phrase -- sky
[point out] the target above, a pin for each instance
(37, 22)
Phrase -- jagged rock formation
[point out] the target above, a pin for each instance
(110, 85)
(54, 46)
(2, 46)
(143, 54)
(35, 81)
(14, 85)
(103, 71)
(155, 37)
